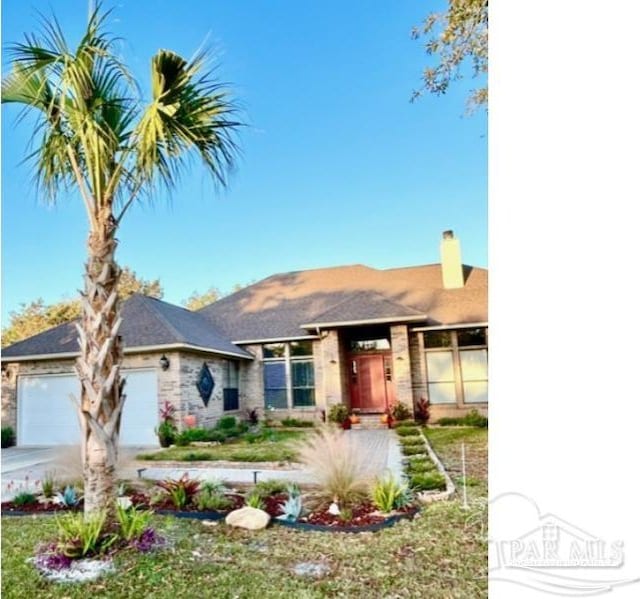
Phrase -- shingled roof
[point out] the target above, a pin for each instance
(279, 306)
(146, 322)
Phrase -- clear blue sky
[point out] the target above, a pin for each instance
(338, 167)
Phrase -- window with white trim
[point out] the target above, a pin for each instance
(230, 395)
(456, 363)
(288, 375)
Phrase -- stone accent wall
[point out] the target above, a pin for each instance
(332, 370)
(251, 380)
(402, 364)
(418, 367)
(191, 402)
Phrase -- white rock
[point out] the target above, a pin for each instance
(124, 502)
(334, 509)
(249, 518)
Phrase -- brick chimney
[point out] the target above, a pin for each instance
(451, 261)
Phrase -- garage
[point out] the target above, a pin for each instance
(47, 416)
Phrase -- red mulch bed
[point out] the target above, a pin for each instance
(8, 507)
(361, 515)
(273, 504)
(143, 500)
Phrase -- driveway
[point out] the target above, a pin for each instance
(24, 467)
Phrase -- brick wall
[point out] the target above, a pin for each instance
(402, 365)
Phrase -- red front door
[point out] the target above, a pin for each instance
(371, 386)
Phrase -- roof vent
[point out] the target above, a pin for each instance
(451, 261)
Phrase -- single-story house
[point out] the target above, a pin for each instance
(293, 344)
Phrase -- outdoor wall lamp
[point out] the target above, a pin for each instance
(164, 362)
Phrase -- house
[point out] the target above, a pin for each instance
(293, 344)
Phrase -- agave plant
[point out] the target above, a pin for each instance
(291, 508)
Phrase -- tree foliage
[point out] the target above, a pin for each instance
(456, 37)
(36, 316)
(199, 300)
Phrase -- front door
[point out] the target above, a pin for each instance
(371, 387)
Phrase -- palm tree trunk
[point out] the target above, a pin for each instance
(98, 368)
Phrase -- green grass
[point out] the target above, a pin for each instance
(447, 442)
(274, 446)
(443, 550)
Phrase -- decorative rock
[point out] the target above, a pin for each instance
(334, 509)
(312, 569)
(248, 517)
(124, 502)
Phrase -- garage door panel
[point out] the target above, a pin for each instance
(47, 416)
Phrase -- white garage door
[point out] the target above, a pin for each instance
(47, 416)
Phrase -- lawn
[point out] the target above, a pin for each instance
(276, 446)
(447, 444)
(440, 554)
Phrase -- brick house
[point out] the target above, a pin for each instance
(293, 344)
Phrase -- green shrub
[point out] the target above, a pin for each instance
(413, 449)
(211, 497)
(473, 418)
(295, 423)
(132, 522)
(412, 442)
(407, 431)
(209, 435)
(25, 498)
(400, 411)
(8, 436)
(387, 493)
(420, 467)
(265, 488)
(254, 499)
(338, 413)
(226, 423)
(81, 536)
(428, 482)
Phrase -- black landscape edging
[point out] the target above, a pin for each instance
(386, 523)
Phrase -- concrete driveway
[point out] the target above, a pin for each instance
(23, 468)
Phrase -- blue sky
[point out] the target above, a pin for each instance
(337, 167)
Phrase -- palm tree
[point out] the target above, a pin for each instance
(94, 134)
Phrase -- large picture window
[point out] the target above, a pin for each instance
(456, 364)
(288, 375)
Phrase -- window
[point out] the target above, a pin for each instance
(230, 398)
(288, 375)
(457, 375)
(370, 345)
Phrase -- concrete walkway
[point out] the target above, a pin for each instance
(22, 467)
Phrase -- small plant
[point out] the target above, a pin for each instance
(148, 541)
(407, 431)
(132, 522)
(25, 498)
(400, 411)
(252, 417)
(387, 493)
(473, 418)
(8, 436)
(265, 488)
(254, 499)
(420, 467)
(291, 508)
(212, 501)
(413, 449)
(48, 484)
(422, 411)
(338, 413)
(295, 423)
(166, 430)
(226, 423)
(181, 492)
(81, 536)
(411, 441)
(48, 557)
(346, 514)
(428, 482)
(68, 498)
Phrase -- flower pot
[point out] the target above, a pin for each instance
(384, 418)
(189, 421)
(355, 419)
(346, 425)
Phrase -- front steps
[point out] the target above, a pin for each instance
(369, 422)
